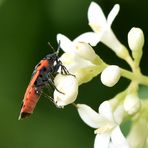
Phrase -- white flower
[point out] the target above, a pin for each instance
(131, 104)
(102, 29)
(136, 39)
(80, 59)
(67, 89)
(110, 75)
(108, 133)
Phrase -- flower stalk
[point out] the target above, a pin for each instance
(138, 77)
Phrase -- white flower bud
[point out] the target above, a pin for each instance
(67, 89)
(85, 50)
(131, 104)
(110, 75)
(135, 39)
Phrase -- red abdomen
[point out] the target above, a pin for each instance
(30, 100)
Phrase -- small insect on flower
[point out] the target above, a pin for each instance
(42, 76)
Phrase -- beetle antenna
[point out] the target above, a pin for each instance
(58, 47)
(51, 46)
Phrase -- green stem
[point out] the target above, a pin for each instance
(137, 77)
(129, 60)
(74, 105)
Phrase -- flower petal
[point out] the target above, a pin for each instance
(77, 61)
(65, 43)
(102, 140)
(118, 139)
(105, 110)
(85, 51)
(110, 40)
(96, 15)
(89, 116)
(89, 37)
(113, 13)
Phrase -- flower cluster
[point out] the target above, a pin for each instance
(84, 64)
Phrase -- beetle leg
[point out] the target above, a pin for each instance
(51, 99)
(64, 71)
(51, 83)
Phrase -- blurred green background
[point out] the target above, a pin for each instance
(25, 28)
